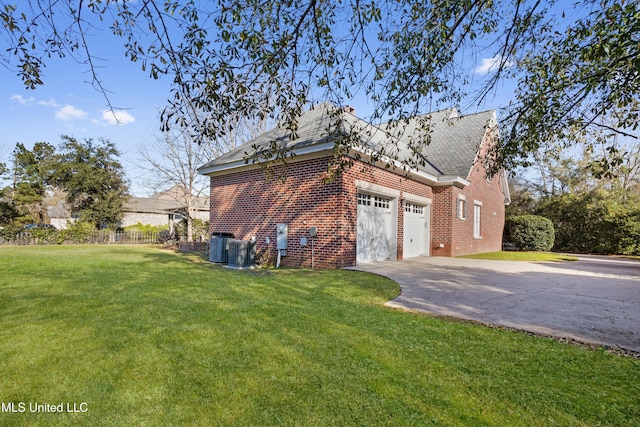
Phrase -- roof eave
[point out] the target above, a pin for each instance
(452, 180)
(310, 151)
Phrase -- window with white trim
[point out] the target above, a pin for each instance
(461, 208)
(382, 202)
(364, 199)
(476, 219)
(416, 209)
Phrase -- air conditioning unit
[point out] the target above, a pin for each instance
(218, 247)
(242, 253)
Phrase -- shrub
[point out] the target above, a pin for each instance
(599, 221)
(79, 231)
(200, 229)
(9, 231)
(530, 232)
(146, 228)
(43, 236)
(167, 238)
(628, 234)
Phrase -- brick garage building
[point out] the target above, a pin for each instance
(445, 206)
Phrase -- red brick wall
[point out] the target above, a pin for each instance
(245, 204)
(442, 213)
(492, 213)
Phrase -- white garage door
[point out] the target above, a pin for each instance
(416, 231)
(374, 228)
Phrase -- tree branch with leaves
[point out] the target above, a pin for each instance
(271, 59)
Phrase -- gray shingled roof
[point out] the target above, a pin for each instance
(315, 127)
(453, 140)
(150, 205)
(312, 129)
(156, 205)
(452, 149)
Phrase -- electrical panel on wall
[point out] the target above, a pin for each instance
(282, 234)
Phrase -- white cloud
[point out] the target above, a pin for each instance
(22, 100)
(50, 103)
(491, 64)
(117, 117)
(69, 112)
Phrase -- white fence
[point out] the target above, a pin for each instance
(42, 237)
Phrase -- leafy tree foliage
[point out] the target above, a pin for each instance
(88, 173)
(92, 178)
(583, 81)
(271, 58)
(7, 208)
(597, 221)
(31, 174)
(589, 215)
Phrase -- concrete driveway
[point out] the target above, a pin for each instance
(595, 299)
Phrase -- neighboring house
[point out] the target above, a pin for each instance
(166, 208)
(59, 215)
(445, 206)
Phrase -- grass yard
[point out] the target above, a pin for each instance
(143, 336)
(530, 256)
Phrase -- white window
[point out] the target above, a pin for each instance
(364, 199)
(382, 202)
(416, 209)
(476, 219)
(461, 208)
(377, 201)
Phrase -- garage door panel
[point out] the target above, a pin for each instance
(416, 233)
(373, 239)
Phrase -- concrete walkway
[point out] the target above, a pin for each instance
(595, 299)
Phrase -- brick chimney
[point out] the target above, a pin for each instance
(349, 109)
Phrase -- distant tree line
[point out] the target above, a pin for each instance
(83, 175)
(592, 212)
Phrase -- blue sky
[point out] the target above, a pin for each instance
(68, 104)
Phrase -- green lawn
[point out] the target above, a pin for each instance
(148, 337)
(530, 256)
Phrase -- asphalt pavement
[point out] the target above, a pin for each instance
(594, 300)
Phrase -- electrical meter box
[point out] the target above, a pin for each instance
(282, 233)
